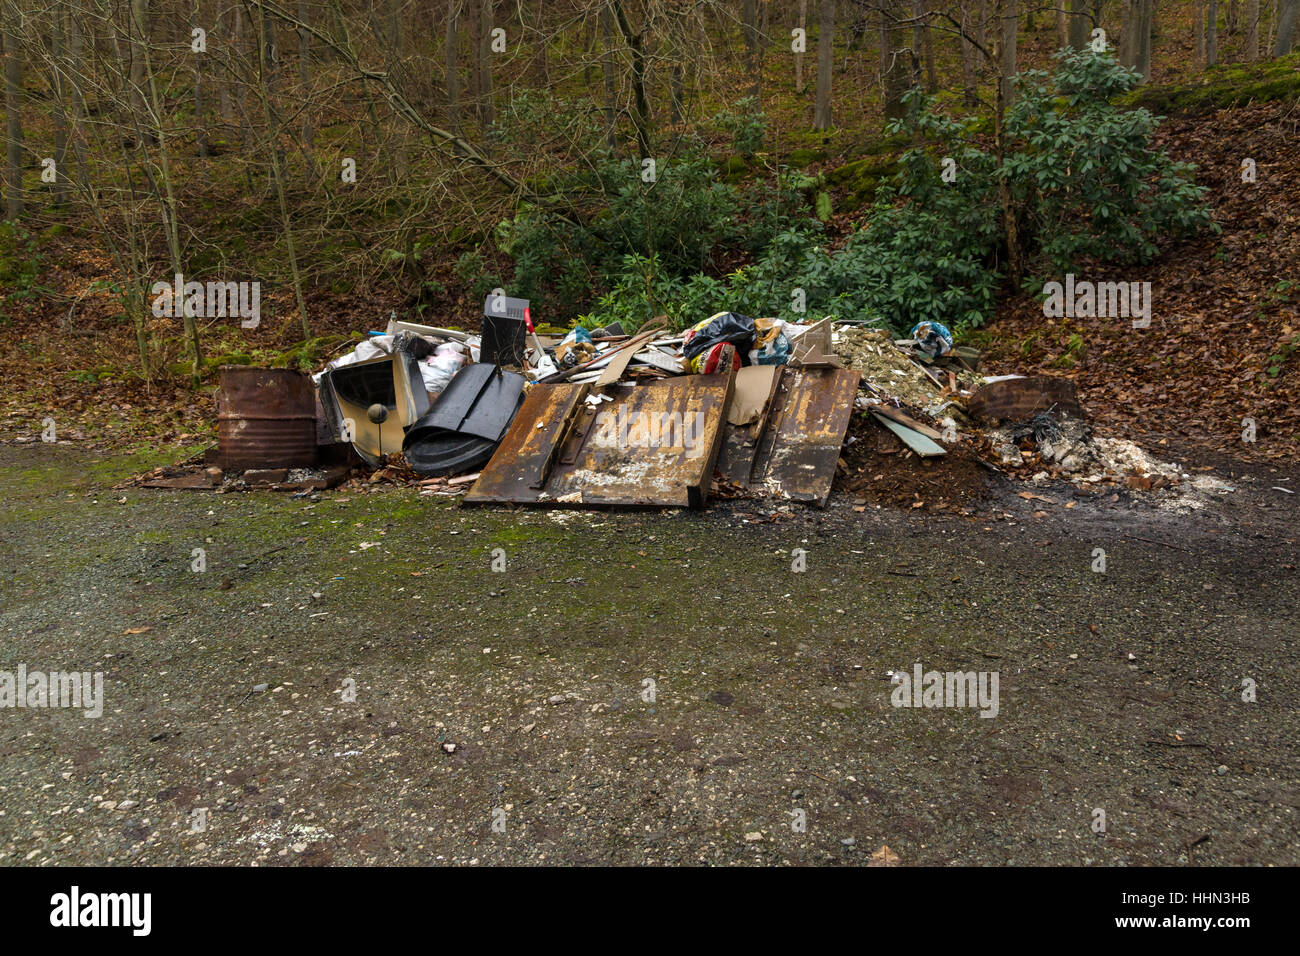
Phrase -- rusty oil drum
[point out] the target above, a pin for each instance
(266, 418)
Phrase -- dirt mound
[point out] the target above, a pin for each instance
(881, 470)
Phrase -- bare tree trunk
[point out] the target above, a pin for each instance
(1287, 11)
(1144, 39)
(304, 72)
(60, 92)
(640, 102)
(200, 123)
(1130, 27)
(475, 61)
(227, 103)
(265, 71)
(968, 56)
(675, 91)
(611, 78)
(749, 28)
(1007, 48)
(1062, 25)
(1198, 31)
(1252, 30)
(541, 38)
(927, 45)
(76, 114)
(392, 34)
(918, 27)
(140, 38)
(13, 78)
(886, 46)
(1078, 30)
(170, 209)
(799, 85)
(1212, 34)
(1001, 8)
(825, 53)
(896, 58)
(452, 67)
(486, 112)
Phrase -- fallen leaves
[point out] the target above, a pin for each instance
(1222, 302)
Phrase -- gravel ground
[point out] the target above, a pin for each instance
(508, 717)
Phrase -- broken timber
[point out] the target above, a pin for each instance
(913, 439)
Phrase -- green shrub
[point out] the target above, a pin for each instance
(1083, 179)
(680, 220)
(1083, 175)
(747, 125)
(472, 270)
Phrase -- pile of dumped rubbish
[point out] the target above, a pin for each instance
(731, 407)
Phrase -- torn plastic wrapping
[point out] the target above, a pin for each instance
(438, 369)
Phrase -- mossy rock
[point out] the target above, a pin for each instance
(1222, 88)
(860, 169)
(458, 234)
(858, 181)
(541, 184)
(309, 354)
(228, 358)
(733, 168)
(882, 146)
(803, 158)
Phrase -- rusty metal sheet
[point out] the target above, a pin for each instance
(266, 418)
(652, 445)
(740, 442)
(792, 451)
(1019, 399)
(522, 462)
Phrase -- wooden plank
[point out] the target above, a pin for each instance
(907, 421)
(913, 439)
(741, 442)
(615, 369)
(658, 358)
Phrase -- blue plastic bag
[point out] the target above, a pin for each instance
(932, 338)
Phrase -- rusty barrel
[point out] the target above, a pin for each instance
(266, 418)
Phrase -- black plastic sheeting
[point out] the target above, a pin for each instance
(466, 423)
(724, 327)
